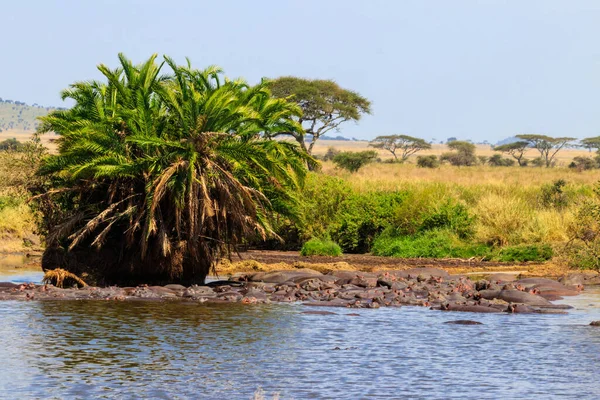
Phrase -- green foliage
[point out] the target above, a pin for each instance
(330, 208)
(583, 250)
(354, 160)
(430, 161)
(168, 170)
(536, 252)
(554, 195)
(320, 247)
(438, 243)
(463, 154)
(325, 105)
(9, 202)
(452, 216)
(361, 217)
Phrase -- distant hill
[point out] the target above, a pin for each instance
(509, 140)
(19, 117)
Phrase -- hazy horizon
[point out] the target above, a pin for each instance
(466, 69)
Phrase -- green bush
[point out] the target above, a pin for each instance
(319, 247)
(553, 195)
(354, 160)
(541, 252)
(451, 215)
(9, 202)
(498, 161)
(584, 163)
(430, 161)
(361, 217)
(440, 243)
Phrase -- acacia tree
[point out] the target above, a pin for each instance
(158, 176)
(516, 150)
(407, 145)
(325, 106)
(463, 153)
(546, 145)
(591, 143)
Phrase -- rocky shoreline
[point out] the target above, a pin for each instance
(427, 287)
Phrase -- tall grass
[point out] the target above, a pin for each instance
(16, 217)
(399, 209)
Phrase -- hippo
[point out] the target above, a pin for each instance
(469, 308)
(463, 322)
(517, 296)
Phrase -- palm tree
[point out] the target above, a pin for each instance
(163, 174)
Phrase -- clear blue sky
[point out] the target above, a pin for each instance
(433, 69)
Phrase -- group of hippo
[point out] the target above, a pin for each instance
(429, 287)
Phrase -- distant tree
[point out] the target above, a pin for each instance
(406, 145)
(591, 143)
(451, 139)
(463, 153)
(10, 144)
(516, 150)
(330, 154)
(325, 106)
(546, 145)
(354, 160)
(430, 161)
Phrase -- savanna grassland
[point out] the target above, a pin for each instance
(401, 210)
(563, 158)
(510, 214)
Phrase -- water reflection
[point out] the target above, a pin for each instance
(95, 349)
(19, 268)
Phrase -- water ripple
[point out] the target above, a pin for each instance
(175, 350)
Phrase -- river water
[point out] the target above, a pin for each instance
(132, 350)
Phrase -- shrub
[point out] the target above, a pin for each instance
(483, 159)
(534, 252)
(553, 195)
(584, 163)
(451, 215)
(583, 250)
(319, 247)
(361, 217)
(498, 161)
(439, 243)
(9, 202)
(430, 161)
(354, 160)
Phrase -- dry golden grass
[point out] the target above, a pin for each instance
(386, 176)
(563, 157)
(48, 139)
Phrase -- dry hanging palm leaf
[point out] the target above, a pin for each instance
(59, 278)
